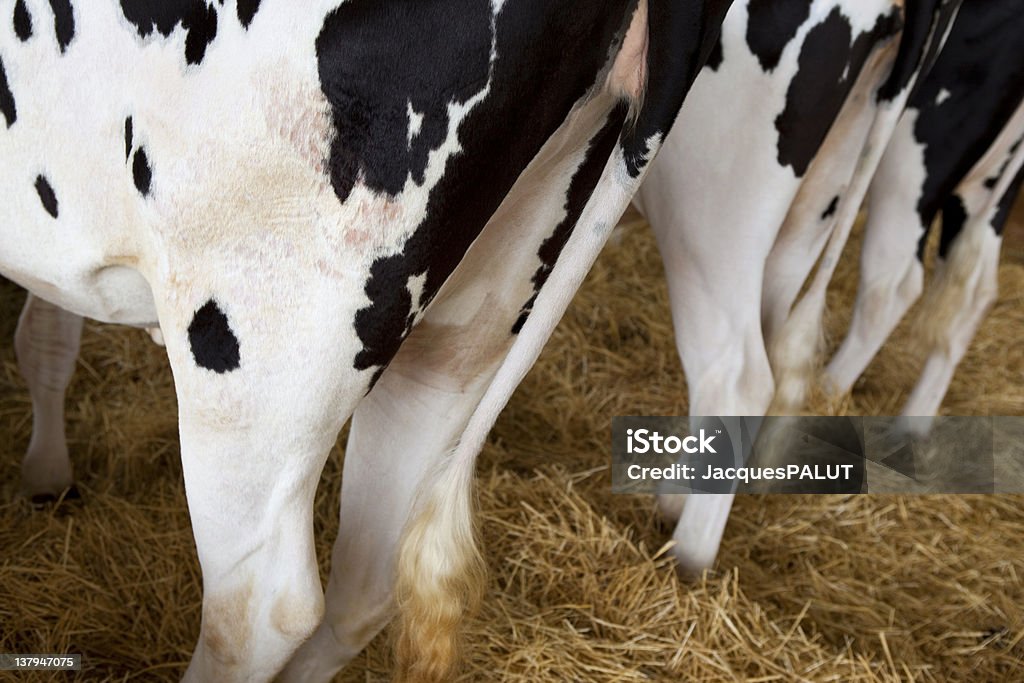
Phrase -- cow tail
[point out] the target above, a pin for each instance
(441, 574)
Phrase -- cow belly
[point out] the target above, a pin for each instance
(112, 293)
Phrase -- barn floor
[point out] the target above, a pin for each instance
(865, 588)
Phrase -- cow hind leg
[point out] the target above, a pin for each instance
(250, 496)
(717, 319)
(405, 544)
(257, 418)
(891, 279)
(796, 334)
(966, 282)
(718, 334)
(964, 290)
(47, 342)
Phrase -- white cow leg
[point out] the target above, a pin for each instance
(891, 279)
(965, 290)
(47, 342)
(891, 276)
(716, 312)
(250, 496)
(966, 284)
(259, 407)
(698, 534)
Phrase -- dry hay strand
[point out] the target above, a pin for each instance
(808, 588)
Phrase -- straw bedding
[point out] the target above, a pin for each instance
(827, 588)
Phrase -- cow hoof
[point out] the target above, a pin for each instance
(688, 572)
(42, 500)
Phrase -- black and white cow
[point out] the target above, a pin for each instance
(958, 152)
(367, 208)
(764, 171)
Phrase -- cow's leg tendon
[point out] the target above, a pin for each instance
(47, 342)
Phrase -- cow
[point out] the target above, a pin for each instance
(956, 152)
(365, 209)
(746, 197)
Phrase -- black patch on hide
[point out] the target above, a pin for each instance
(198, 19)
(214, 345)
(772, 25)
(830, 61)
(63, 22)
(142, 174)
(7, 107)
(247, 10)
(46, 195)
(22, 21)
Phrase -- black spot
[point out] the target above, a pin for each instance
(981, 71)
(214, 345)
(201, 33)
(371, 144)
(580, 188)
(198, 19)
(715, 57)
(925, 23)
(517, 326)
(772, 25)
(63, 22)
(22, 21)
(7, 98)
(831, 209)
(127, 138)
(954, 216)
(376, 376)
(681, 38)
(830, 62)
(141, 172)
(46, 195)
(247, 10)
